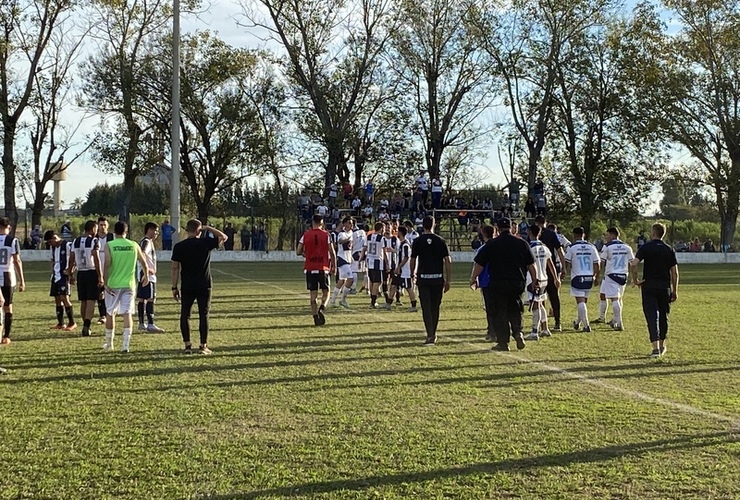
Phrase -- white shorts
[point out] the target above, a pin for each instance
(345, 272)
(358, 266)
(542, 297)
(578, 292)
(121, 302)
(611, 289)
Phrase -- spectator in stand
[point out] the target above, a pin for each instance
(304, 206)
(369, 193)
(487, 203)
(347, 190)
(462, 219)
(529, 208)
(695, 246)
(524, 229)
(408, 199)
(367, 212)
(436, 192)
(514, 188)
(261, 237)
(422, 183)
(322, 210)
(419, 222)
(384, 203)
(66, 230)
(245, 235)
(230, 232)
(474, 203)
(356, 205)
(641, 239)
(539, 187)
(383, 215)
(333, 192)
(36, 237)
(335, 214)
(167, 232)
(460, 202)
(709, 246)
(542, 205)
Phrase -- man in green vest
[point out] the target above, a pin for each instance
(120, 283)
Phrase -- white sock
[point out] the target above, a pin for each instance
(536, 319)
(334, 295)
(109, 334)
(354, 282)
(543, 317)
(345, 292)
(583, 313)
(602, 309)
(617, 306)
(126, 338)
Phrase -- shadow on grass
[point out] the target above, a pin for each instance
(510, 465)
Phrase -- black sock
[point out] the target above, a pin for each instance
(150, 312)
(373, 299)
(140, 310)
(60, 315)
(413, 303)
(8, 324)
(389, 300)
(101, 307)
(70, 314)
(86, 323)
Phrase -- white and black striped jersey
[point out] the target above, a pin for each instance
(411, 236)
(375, 251)
(9, 246)
(344, 248)
(391, 244)
(359, 241)
(83, 248)
(60, 259)
(404, 252)
(150, 254)
(103, 241)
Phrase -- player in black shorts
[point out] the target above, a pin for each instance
(85, 257)
(60, 251)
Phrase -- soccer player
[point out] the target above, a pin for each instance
(104, 237)
(616, 257)
(119, 277)
(85, 257)
(377, 261)
(391, 250)
(550, 238)
(359, 240)
(584, 272)
(148, 294)
(320, 262)
(402, 272)
(537, 292)
(191, 262)
(60, 253)
(11, 273)
(411, 233)
(345, 277)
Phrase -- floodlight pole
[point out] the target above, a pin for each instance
(175, 146)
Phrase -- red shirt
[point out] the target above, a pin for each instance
(316, 249)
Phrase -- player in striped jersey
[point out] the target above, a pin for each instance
(584, 272)
(359, 240)
(147, 295)
(537, 292)
(376, 261)
(402, 271)
(104, 237)
(615, 256)
(60, 253)
(85, 257)
(345, 278)
(11, 273)
(391, 250)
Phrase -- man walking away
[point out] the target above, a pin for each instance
(508, 259)
(191, 263)
(615, 257)
(119, 276)
(659, 285)
(431, 265)
(585, 265)
(320, 262)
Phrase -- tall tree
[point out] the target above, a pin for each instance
(697, 72)
(443, 70)
(332, 59)
(527, 43)
(25, 31)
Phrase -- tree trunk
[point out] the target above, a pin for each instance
(336, 162)
(38, 205)
(9, 171)
(729, 209)
(435, 158)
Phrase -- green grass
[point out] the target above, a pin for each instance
(357, 409)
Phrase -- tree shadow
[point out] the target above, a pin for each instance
(514, 465)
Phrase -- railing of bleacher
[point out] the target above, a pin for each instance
(460, 237)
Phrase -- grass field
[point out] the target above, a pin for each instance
(358, 409)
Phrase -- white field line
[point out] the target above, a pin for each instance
(595, 381)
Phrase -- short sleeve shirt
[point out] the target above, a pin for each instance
(430, 251)
(507, 258)
(658, 259)
(194, 256)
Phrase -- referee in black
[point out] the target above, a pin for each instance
(659, 285)
(431, 267)
(508, 259)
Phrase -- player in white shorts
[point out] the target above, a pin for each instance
(359, 240)
(584, 263)
(538, 295)
(615, 257)
(345, 277)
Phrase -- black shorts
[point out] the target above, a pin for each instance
(317, 280)
(404, 283)
(146, 292)
(375, 275)
(60, 287)
(8, 293)
(87, 285)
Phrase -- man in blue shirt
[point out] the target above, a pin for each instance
(167, 231)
